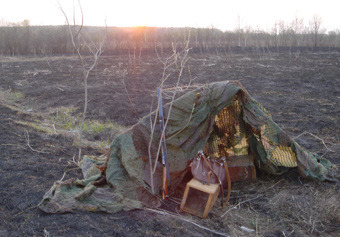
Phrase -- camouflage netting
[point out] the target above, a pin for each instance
(219, 118)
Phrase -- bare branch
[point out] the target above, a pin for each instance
(177, 59)
(60, 180)
(311, 134)
(82, 19)
(76, 37)
(28, 144)
(186, 220)
(239, 204)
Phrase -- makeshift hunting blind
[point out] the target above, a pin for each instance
(221, 119)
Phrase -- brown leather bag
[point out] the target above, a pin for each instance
(208, 170)
(211, 170)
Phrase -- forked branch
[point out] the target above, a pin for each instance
(78, 39)
(177, 59)
(320, 139)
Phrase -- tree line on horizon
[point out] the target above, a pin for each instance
(23, 39)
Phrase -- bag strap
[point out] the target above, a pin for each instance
(228, 180)
(227, 176)
(220, 182)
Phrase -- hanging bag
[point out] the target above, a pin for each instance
(211, 170)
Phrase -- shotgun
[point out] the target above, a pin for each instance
(166, 172)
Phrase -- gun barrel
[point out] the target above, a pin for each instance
(166, 173)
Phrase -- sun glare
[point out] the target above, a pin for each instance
(220, 14)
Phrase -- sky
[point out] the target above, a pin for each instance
(222, 14)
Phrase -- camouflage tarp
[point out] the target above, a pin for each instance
(190, 128)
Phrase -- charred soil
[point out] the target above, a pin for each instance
(40, 104)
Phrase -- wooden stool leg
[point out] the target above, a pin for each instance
(212, 190)
(207, 207)
(185, 195)
(210, 202)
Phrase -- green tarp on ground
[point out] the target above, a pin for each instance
(190, 125)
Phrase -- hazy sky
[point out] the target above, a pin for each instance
(221, 14)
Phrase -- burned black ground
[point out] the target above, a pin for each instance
(301, 91)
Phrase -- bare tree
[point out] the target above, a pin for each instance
(297, 29)
(239, 30)
(179, 60)
(333, 38)
(282, 33)
(79, 39)
(247, 33)
(315, 25)
(275, 35)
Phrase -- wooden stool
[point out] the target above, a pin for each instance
(195, 199)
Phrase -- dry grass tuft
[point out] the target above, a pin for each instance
(306, 210)
(283, 208)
